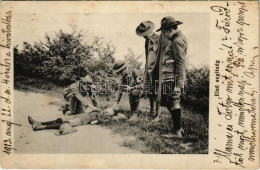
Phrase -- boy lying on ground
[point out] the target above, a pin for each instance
(67, 123)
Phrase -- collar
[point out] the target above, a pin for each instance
(154, 38)
(176, 35)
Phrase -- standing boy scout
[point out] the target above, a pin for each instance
(145, 29)
(172, 70)
(130, 83)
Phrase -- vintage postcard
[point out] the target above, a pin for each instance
(129, 84)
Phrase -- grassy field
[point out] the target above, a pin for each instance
(143, 136)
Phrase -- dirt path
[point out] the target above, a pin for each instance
(88, 139)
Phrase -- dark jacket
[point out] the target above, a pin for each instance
(172, 63)
(174, 60)
(151, 49)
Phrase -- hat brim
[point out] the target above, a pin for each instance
(147, 32)
(89, 84)
(163, 28)
(68, 131)
(122, 68)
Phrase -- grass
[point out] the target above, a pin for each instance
(143, 136)
(149, 137)
(37, 86)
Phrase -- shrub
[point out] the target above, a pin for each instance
(63, 59)
(197, 90)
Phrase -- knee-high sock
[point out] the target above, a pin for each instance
(152, 104)
(176, 118)
(44, 127)
(57, 121)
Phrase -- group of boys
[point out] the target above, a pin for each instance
(163, 83)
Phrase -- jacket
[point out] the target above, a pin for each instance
(172, 62)
(151, 49)
(74, 89)
(131, 79)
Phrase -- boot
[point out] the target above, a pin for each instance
(32, 121)
(66, 108)
(178, 133)
(133, 118)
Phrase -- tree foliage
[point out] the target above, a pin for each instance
(64, 58)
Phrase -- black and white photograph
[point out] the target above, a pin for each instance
(113, 83)
(129, 84)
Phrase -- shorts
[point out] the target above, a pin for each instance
(169, 98)
(74, 120)
(81, 119)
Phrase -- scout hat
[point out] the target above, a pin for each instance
(168, 22)
(88, 79)
(109, 111)
(145, 28)
(65, 129)
(119, 66)
(107, 114)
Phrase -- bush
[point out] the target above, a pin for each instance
(197, 90)
(63, 59)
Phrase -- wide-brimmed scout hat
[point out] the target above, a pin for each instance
(168, 22)
(65, 129)
(119, 66)
(109, 111)
(145, 28)
(88, 79)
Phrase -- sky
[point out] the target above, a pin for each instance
(119, 29)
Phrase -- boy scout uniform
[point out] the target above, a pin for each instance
(132, 79)
(172, 72)
(145, 29)
(85, 88)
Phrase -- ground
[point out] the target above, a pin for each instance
(88, 139)
(111, 137)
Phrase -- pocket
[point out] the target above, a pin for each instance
(167, 73)
(166, 69)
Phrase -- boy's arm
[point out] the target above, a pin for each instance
(85, 102)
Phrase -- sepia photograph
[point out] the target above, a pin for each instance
(112, 83)
(129, 84)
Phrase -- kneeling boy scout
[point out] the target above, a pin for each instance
(80, 88)
(131, 84)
